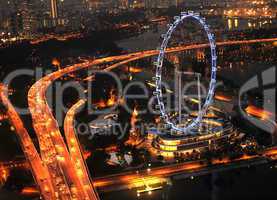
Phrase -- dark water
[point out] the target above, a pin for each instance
(247, 183)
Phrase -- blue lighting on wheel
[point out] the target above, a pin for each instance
(159, 64)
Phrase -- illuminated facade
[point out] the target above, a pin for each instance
(168, 145)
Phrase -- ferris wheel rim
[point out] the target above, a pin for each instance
(159, 65)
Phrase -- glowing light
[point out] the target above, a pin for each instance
(222, 98)
(60, 158)
(148, 184)
(80, 172)
(59, 148)
(29, 191)
(133, 69)
(112, 100)
(101, 104)
(236, 23)
(72, 141)
(230, 24)
(157, 120)
(2, 117)
(134, 137)
(258, 112)
(86, 155)
(4, 173)
(56, 63)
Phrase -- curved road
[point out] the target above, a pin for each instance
(40, 172)
(75, 149)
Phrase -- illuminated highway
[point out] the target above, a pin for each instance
(40, 172)
(76, 151)
(53, 149)
(66, 184)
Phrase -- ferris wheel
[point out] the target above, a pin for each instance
(159, 65)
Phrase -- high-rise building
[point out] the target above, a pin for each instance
(42, 11)
(54, 9)
(29, 21)
(9, 16)
(27, 17)
(54, 13)
(71, 14)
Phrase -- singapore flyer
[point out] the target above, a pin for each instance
(159, 65)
